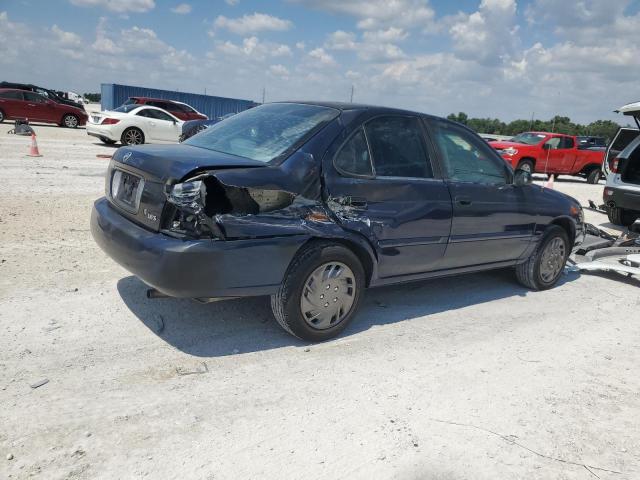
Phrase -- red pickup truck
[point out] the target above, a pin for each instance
(552, 153)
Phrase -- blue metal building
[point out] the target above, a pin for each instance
(114, 95)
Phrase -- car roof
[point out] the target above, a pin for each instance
(151, 107)
(154, 99)
(345, 106)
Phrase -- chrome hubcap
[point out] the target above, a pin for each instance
(71, 121)
(133, 137)
(525, 167)
(552, 261)
(328, 295)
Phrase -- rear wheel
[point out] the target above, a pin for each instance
(132, 136)
(594, 176)
(526, 165)
(622, 217)
(320, 293)
(543, 268)
(1, 116)
(70, 121)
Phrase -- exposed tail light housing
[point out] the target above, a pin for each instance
(614, 165)
(109, 121)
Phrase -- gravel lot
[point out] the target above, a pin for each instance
(463, 378)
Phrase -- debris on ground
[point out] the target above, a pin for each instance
(596, 208)
(198, 371)
(40, 383)
(10, 456)
(602, 251)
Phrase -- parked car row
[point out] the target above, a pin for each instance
(16, 104)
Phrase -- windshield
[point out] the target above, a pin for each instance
(126, 108)
(528, 138)
(264, 133)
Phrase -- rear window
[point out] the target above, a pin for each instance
(266, 132)
(126, 108)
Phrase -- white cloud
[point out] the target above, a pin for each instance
(489, 34)
(119, 6)
(232, 2)
(321, 56)
(300, 45)
(279, 71)
(254, 48)
(254, 23)
(67, 39)
(374, 47)
(375, 14)
(182, 9)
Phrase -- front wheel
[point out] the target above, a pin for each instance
(1, 116)
(320, 293)
(543, 268)
(70, 121)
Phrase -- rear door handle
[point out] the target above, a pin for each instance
(463, 201)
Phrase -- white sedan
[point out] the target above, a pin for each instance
(135, 124)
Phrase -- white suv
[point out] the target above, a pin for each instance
(622, 165)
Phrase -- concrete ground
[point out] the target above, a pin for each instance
(471, 377)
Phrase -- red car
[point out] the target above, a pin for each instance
(177, 109)
(21, 104)
(552, 153)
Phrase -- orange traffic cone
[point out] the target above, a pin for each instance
(33, 151)
(549, 182)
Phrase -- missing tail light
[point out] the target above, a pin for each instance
(109, 121)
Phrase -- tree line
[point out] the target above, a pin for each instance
(558, 124)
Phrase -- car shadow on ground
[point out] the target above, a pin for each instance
(247, 325)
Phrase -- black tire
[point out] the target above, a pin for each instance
(594, 176)
(132, 136)
(620, 216)
(2, 117)
(106, 140)
(70, 121)
(286, 303)
(529, 273)
(526, 165)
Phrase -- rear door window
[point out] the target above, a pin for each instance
(566, 142)
(12, 95)
(397, 147)
(353, 157)
(33, 97)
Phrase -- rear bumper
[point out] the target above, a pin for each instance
(99, 131)
(193, 268)
(622, 198)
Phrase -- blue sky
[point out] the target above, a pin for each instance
(496, 58)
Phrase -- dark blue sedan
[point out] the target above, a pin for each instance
(311, 203)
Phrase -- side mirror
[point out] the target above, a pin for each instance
(522, 178)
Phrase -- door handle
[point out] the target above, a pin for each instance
(463, 201)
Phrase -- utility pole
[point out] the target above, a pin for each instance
(205, 90)
(531, 126)
(264, 92)
(351, 100)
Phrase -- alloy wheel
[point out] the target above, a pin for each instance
(133, 137)
(70, 121)
(328, 295)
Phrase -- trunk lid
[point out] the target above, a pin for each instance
(137, 176)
